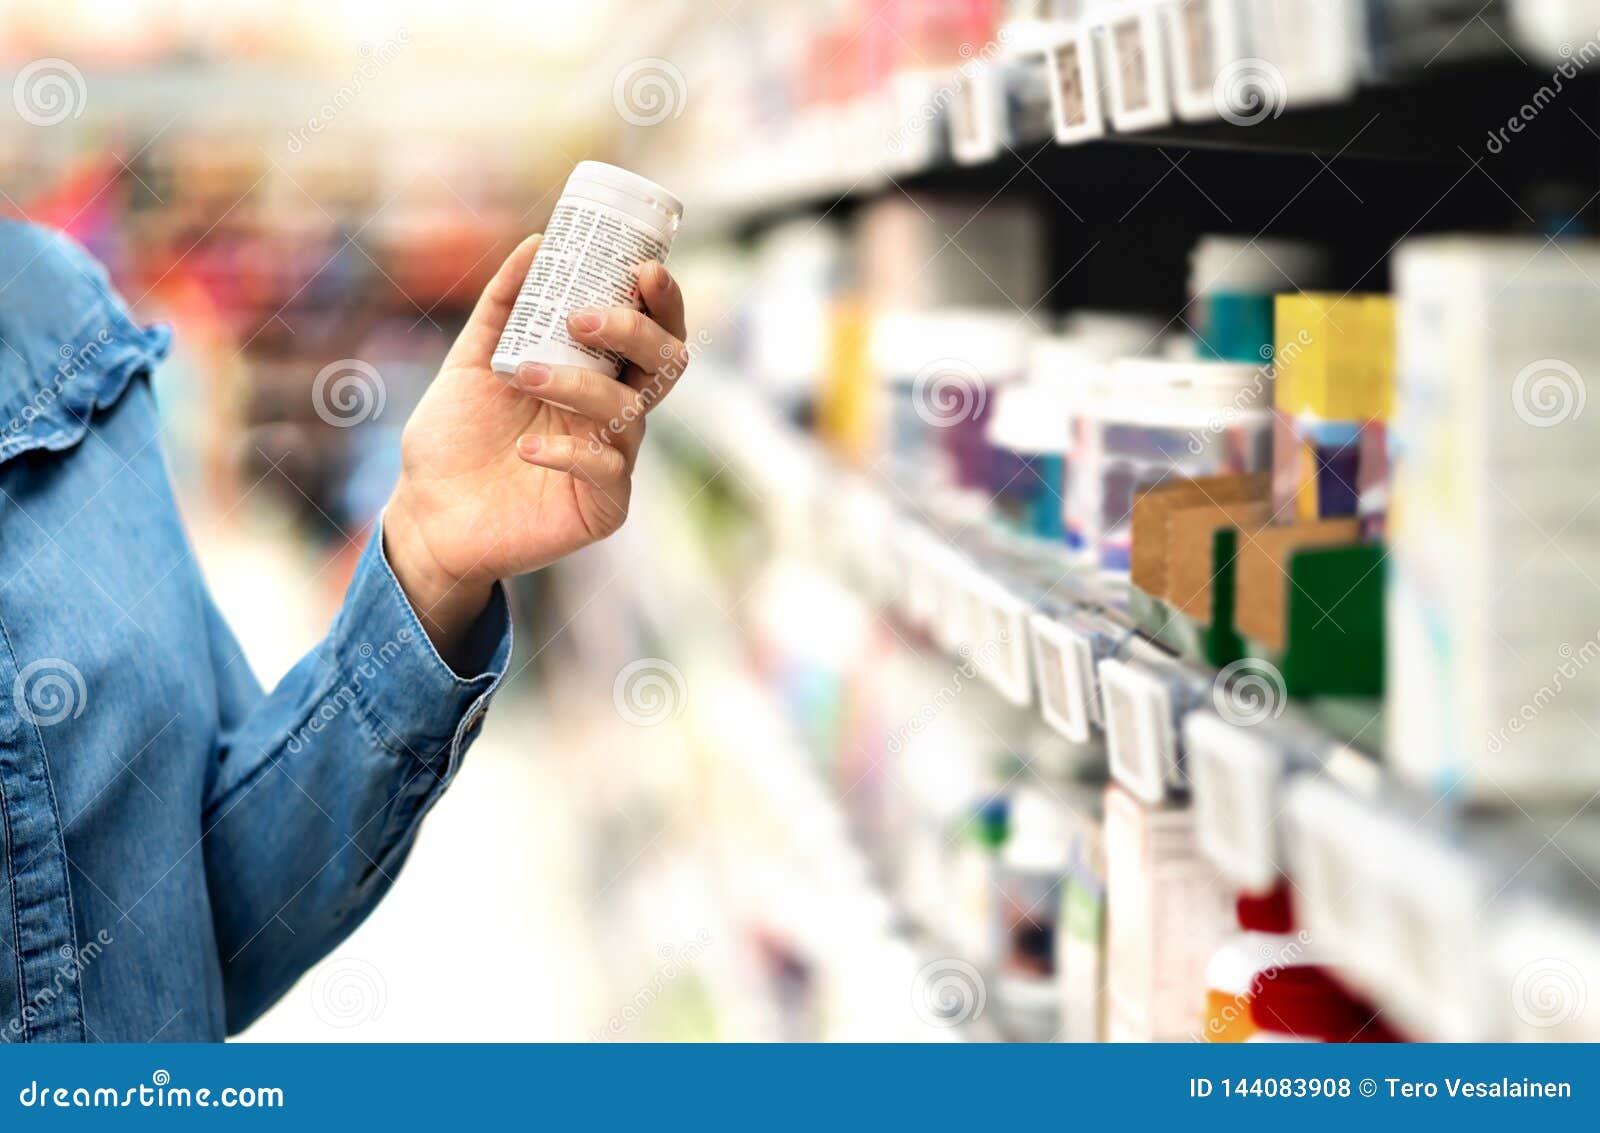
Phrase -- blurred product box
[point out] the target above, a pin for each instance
(1334, 358)
(1233, 282)
(1316, 49)
(1166, 914)
(1155, 509)
(1152, 421)
(1262, 578)
(1405, 38)
(935, 252)
(1333, 391)
(1081, 931)
(1033, 867)
(1492, 615)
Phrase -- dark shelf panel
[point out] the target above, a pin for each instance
(1360, 175)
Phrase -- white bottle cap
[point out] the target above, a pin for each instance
(1169, 394)
(588, 176)
(1264, 264)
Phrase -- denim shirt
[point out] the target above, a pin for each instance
(176, 846)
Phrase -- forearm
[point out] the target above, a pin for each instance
(322, 783)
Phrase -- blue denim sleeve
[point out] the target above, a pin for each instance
(323, 783)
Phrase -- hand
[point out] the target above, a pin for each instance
(500, 478)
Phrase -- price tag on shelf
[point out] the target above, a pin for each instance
(977, 114)
(1136, 67)
(1212, 72)
(1428, 932)
(866, 515)
(952, 620)
(1237, 776)
(1064, 660)
(1002, 649)
(1324, 831)
(920, 587)
(1139, 729)
(1075, 84)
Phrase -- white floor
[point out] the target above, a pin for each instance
(477, 940)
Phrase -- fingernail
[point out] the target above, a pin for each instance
(584, 320)
(533, 375)
(528, 446)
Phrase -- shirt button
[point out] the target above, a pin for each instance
(475, 720)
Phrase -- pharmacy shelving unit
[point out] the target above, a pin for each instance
(1378, 870)
(1390, 880)
(1355, 169)
(755, 761)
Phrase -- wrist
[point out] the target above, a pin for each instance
(445, 603)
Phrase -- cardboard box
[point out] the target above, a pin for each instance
(1151, 506)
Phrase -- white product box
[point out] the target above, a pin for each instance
(1166, 914)
(1316, 47)
(1493, 616)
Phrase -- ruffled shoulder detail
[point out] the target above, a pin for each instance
(68, 345)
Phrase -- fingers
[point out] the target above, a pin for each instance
(632, 334)
(617, 410)
(599, 465)
(475, 344)
(663, 299)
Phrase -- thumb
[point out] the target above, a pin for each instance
(475, 344)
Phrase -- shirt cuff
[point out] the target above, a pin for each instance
(405, 695)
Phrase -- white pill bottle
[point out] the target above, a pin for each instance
(607, 224)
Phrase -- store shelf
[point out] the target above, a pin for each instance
(1276, 794)
(1424, 140)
